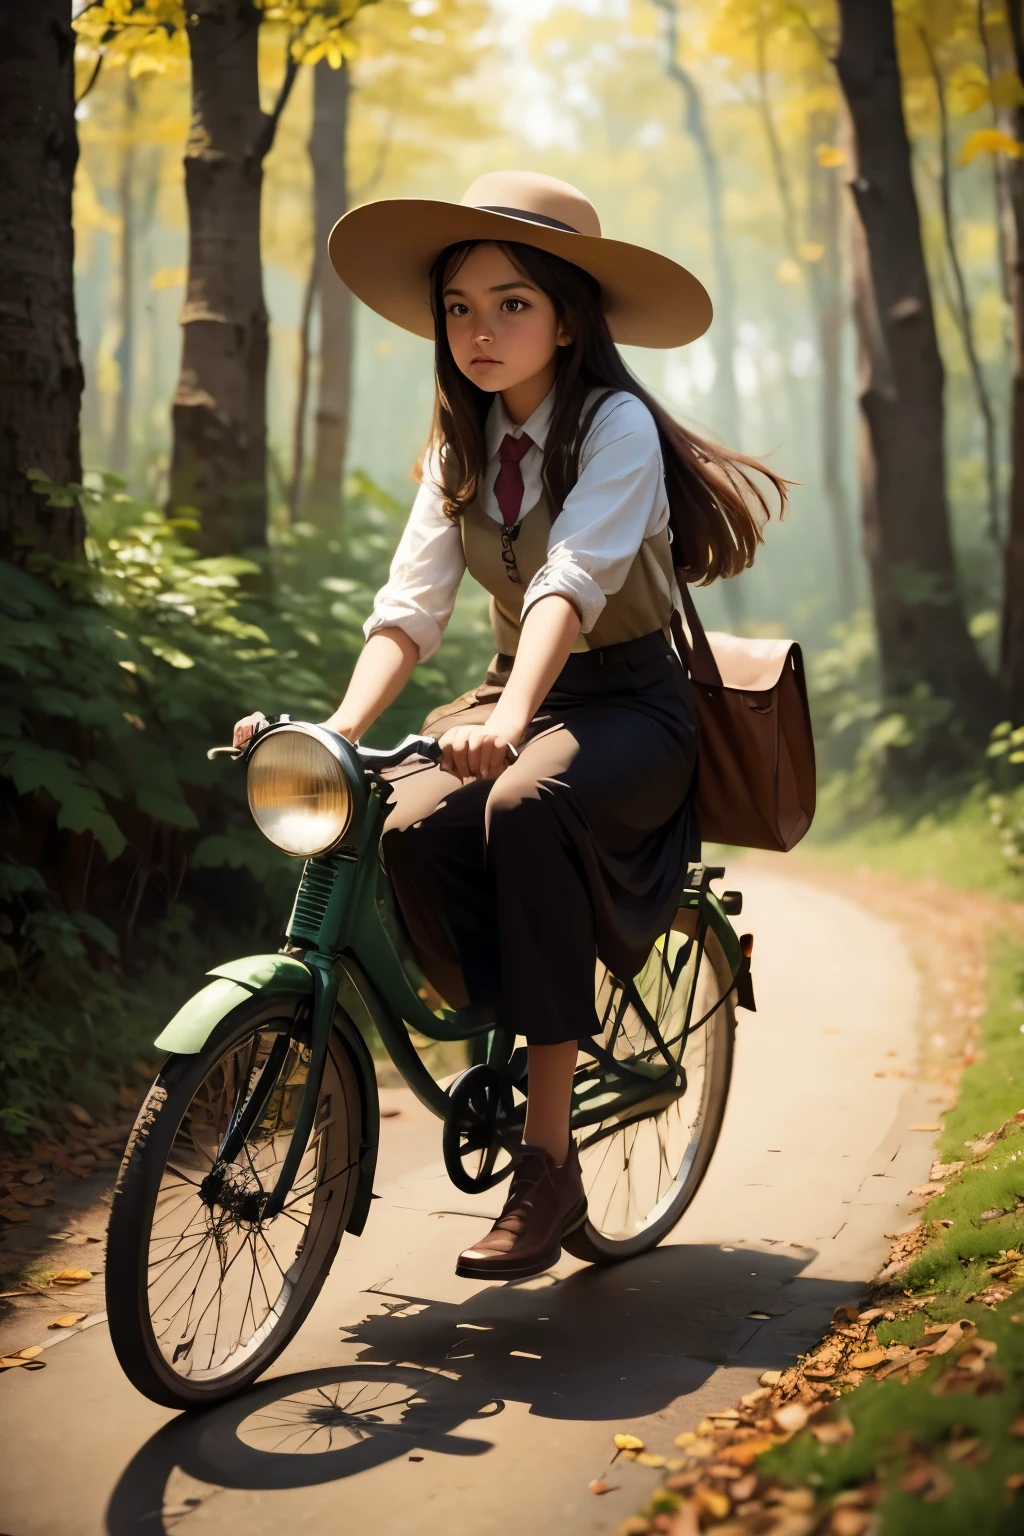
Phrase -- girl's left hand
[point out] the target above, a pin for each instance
(475, 752)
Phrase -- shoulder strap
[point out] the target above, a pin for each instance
(697, 649)
(586, 422)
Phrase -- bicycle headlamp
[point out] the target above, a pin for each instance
(299, 790)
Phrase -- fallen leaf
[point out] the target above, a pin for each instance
(1014, 1482)
(14, 1213)
(600, 1486)
(649, 1459)
(716, 1504)
(627, 1443)
(68, 1320)
(791, 1418)
(770, 1378)
(844, 1315)
(71, 1276)
(745, 1452)
(30, 1353)
(959, 1450)
(925, 1125)
(952, 1336)
(759, 1317)
(799, 1500)
(82, 1116)
(1017, 1428)
(636, 1525)
(849, 1522)
(33, 1177)
(744, 1488)
(686, 1438)
(833, 1432)
(993, 1214)
(751, 1399)
(945, 1170)
(819, 1372)
(867, 1359)
(926, 1191)
(870, 1315)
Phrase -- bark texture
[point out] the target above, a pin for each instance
(40, 368)
(922, 632)
(125, 355)
(1013, 570)
(328, 152)
(219, 455)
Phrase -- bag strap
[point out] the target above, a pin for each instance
(697, 649)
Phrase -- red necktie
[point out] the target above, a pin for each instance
(508, 487)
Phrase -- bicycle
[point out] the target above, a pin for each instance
(256, 1146)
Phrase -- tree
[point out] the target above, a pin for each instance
(328, 153)
(40, 369)
(1012, 651)
(922, 632)
(219, 448)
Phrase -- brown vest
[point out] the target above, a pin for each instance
(643, 604)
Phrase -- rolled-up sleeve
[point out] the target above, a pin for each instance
(419, 594)
(618, 501)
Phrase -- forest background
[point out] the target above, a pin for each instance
(207, 452)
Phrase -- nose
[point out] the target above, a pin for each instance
(482, 337)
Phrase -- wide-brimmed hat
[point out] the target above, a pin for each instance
(384, 252)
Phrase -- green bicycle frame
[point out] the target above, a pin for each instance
(346, 947)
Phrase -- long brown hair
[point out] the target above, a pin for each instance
(716, 508)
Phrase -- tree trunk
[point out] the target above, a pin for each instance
(830, 307)
(125, 354)
(219, 455)
(327, 150)
(922, 632)
(1012, 661)
(40, 368)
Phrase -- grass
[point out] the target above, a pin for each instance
(897, 1424)
(955, 844)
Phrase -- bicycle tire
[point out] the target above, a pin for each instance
(163, 1124)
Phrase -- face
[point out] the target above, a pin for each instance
(502, 329)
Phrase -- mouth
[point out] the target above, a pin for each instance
(484, 362)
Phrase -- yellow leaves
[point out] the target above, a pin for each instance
(68, 1320)
(89, 211)
(988, 141)
(649, 1459)
(168, 277)
(789, 272)
(627, 1443)
(71, 1277)
(867, 1359)
(830, 156)
(1006, 90)
(811, 250)
(23, 1357)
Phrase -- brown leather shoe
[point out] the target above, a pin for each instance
(544, 1203)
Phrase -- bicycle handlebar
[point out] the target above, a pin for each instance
(376, 758)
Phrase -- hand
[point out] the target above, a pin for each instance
(475, 752)
(247, 728)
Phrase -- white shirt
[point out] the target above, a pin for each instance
(618, 501)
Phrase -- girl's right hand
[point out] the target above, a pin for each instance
(246, 728)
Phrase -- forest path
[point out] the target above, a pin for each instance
(488, 1409)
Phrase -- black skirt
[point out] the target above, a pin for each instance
(512, 888)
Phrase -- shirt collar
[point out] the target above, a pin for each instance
(499, 423)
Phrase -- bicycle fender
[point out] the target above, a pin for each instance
(234, 982)
(370, 1138)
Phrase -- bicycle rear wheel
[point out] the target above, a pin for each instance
(203, 1292)
(643, 1165)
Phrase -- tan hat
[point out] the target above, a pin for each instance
(384, 252)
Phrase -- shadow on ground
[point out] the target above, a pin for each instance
(604, 1344)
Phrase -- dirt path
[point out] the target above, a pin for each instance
(412, 1400)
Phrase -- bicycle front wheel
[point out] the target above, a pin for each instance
(203, 1292)
(643, 1164)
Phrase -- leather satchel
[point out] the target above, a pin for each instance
(756, 778)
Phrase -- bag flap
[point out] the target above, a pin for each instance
(750, 666)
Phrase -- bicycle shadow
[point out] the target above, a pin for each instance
(603, 1344)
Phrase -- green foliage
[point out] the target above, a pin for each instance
(131, 862)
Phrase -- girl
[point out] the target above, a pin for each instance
(560, 823)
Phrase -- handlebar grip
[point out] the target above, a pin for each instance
(232, 752)
(413, 746)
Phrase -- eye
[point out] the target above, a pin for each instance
(519, 306)
(458, 309)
